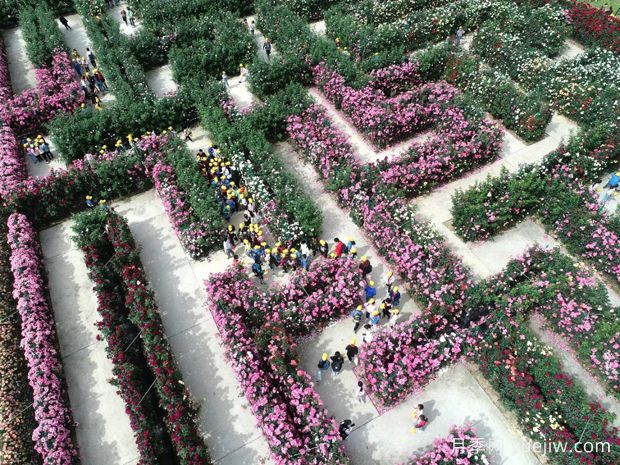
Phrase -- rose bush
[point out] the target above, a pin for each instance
(53, 435)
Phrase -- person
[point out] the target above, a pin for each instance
(130, 16)
(124, 17)
(353, 253)
(89, 201)
(257, 269)
(337, 362)
(100, 77)
(305, 262)
(245, 24)
(390, 279)
(345, 428)
(395, 296)
(370, 291)
(323, 249)
(322, 366)
(614, 181)
(370, 307)
(459, 35)
(422, 422)
(46, 153)
(75, 55)
(64, 22)
(252, 27)
(243, 73)
(417, 411)
(385, 307)
(77, 67)
(350, 243)
(357, 318)
(228, 247)
(187, 135)
(352, 351)
(97, 102)
(365, 266)
(367, 334)
(225, 79)
(267, 48)
(375, 318)
(394, 314)
(361, 395)
(91, 57)
(339, 247)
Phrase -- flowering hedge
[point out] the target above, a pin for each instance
(53, 435)
(177, 410)
(256, 328)
(118, 328)
(56, 92)
(557, 194)
(16, 417)
(6, 90)
(593, 26)
(462, 446)
(12, 166)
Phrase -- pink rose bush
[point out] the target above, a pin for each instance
(257, 329)
(56, 91)
(12, 167)
(6, 91)
(461, 447)
(53, 434)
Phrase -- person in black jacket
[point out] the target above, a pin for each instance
(337, 362)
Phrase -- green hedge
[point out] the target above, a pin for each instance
(41, 33)
(87, 130)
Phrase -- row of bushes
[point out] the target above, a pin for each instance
(118, 63)
(41, 33)
(16, 418)
(10, 10)
(240, 136)
(163, 419)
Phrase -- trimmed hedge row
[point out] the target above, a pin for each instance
(41, 33)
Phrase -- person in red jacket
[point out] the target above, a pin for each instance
(339, 247)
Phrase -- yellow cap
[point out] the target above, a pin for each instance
(390, 273)
(353, 250)
(395, 288)
(372, 301)
(263, 244)
(364, 258)
(375, 313)
(359, 307)
(257, 247)
(372, 283)
(382, 306)
(322, 242)
(274, 250)
(353, 341)
(351, 239)
(324, 357)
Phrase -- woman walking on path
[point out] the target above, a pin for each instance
(267, 48)
(352, 351)
(124, 17)
(361, 394)
(64, 22)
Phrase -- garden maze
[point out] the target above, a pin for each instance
(170, 280)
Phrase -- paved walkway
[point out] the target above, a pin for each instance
(259, 38)
(42, 169)
(161, 82)
(240, 93)
(102, 424)
(77, 38)
(20, 67)
(126, 29)
(225, 418)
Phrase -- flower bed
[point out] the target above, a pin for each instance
(462, 446)
(56, 92)
(12, 167)
(129, 358)
(6, 90)
(53, 435)
(16, 417)
(179, 414)
(593, 26)
(256, 328)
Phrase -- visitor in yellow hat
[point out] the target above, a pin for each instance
(323, 366)
(390, 279)
(323, 248)
(365, 266)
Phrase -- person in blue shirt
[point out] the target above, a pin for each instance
(357, 317)
(395, 296)
(614, 181)
(305, 262)
(370, 291)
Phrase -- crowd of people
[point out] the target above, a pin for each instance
(38, 149)
(92, 80)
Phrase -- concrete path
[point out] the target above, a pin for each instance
(318, 28)
(225, 418)
(42, 169)
(20, 67)
(572, 365)
(240, 93)
(126, 29)
(103, 430)
(160, 81)
(259, 38)
(77, 38)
